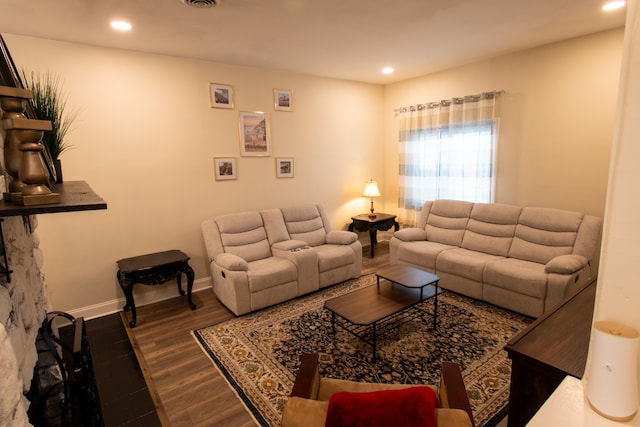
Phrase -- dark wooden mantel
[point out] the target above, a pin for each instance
(74, 196)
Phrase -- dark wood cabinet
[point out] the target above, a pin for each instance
(554, 346)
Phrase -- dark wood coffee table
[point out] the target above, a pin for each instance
(374, 310)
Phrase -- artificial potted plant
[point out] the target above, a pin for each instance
(50, 104)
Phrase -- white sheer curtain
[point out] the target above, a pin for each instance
(447, 151)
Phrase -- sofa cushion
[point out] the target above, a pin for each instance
(422, 253)
(464, 263)
(267, 273)
(243, 234)
(305, 223)
(447, 221)
(566, 264)
(491, 228)
(333, 256)
(545, 233)
(516, 275)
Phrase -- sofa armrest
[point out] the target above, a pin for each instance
(411, 234)
(566, 264)
(290, 245)
(341, 237)
(231, 262)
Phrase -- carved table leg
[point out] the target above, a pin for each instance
(188, 271)
(179, 281)
(373, 239)
(127, 289)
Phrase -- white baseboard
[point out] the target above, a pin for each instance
(159, 293)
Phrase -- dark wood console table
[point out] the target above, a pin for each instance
(381, 222)
(554, 346)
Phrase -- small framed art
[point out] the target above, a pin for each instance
(283, 99)
(284, 167)
(225, 168)
(255, 139)
(221, 96)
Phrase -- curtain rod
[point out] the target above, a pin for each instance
(456, 100)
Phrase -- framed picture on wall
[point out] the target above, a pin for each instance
(284, 167)
(283, 99)
(255, 131)
(221, 96)
(225, 168)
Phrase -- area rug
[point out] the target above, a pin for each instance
(259, 353)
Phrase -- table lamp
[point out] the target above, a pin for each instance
(371, 190)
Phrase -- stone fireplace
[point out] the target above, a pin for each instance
(23, 307)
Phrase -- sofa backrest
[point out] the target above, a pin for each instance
(544, 233)
(241, 234)
(309, 223)
(491, 228)
(530, 233)
(445, 221)
(274, 225)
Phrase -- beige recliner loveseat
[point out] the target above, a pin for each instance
(261, 258)
(526, 259)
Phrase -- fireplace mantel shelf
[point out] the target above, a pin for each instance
(74, 196)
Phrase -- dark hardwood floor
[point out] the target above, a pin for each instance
(186, 388)
(123, 391)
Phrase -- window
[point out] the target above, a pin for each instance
(447, 151)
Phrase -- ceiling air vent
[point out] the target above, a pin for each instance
(202, 4)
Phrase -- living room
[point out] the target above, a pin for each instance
(146, 138)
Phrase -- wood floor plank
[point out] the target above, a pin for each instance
(186, 387)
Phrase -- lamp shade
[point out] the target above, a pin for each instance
(371, 189)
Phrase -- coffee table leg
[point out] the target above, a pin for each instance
(333, 323)
(435, 308)
(375, 343)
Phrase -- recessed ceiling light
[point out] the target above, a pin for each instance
(613, 5)
(387, 70)
(121, 25)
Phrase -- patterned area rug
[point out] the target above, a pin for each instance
(259, 353)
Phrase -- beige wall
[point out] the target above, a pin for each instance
(146, 138)
(556, 119)
(145, 142)
(618, 292)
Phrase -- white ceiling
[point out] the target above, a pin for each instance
(347, 39)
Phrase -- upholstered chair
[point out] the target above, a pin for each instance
(309, 403)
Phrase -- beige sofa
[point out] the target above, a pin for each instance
(258, 259)
(526, 259)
